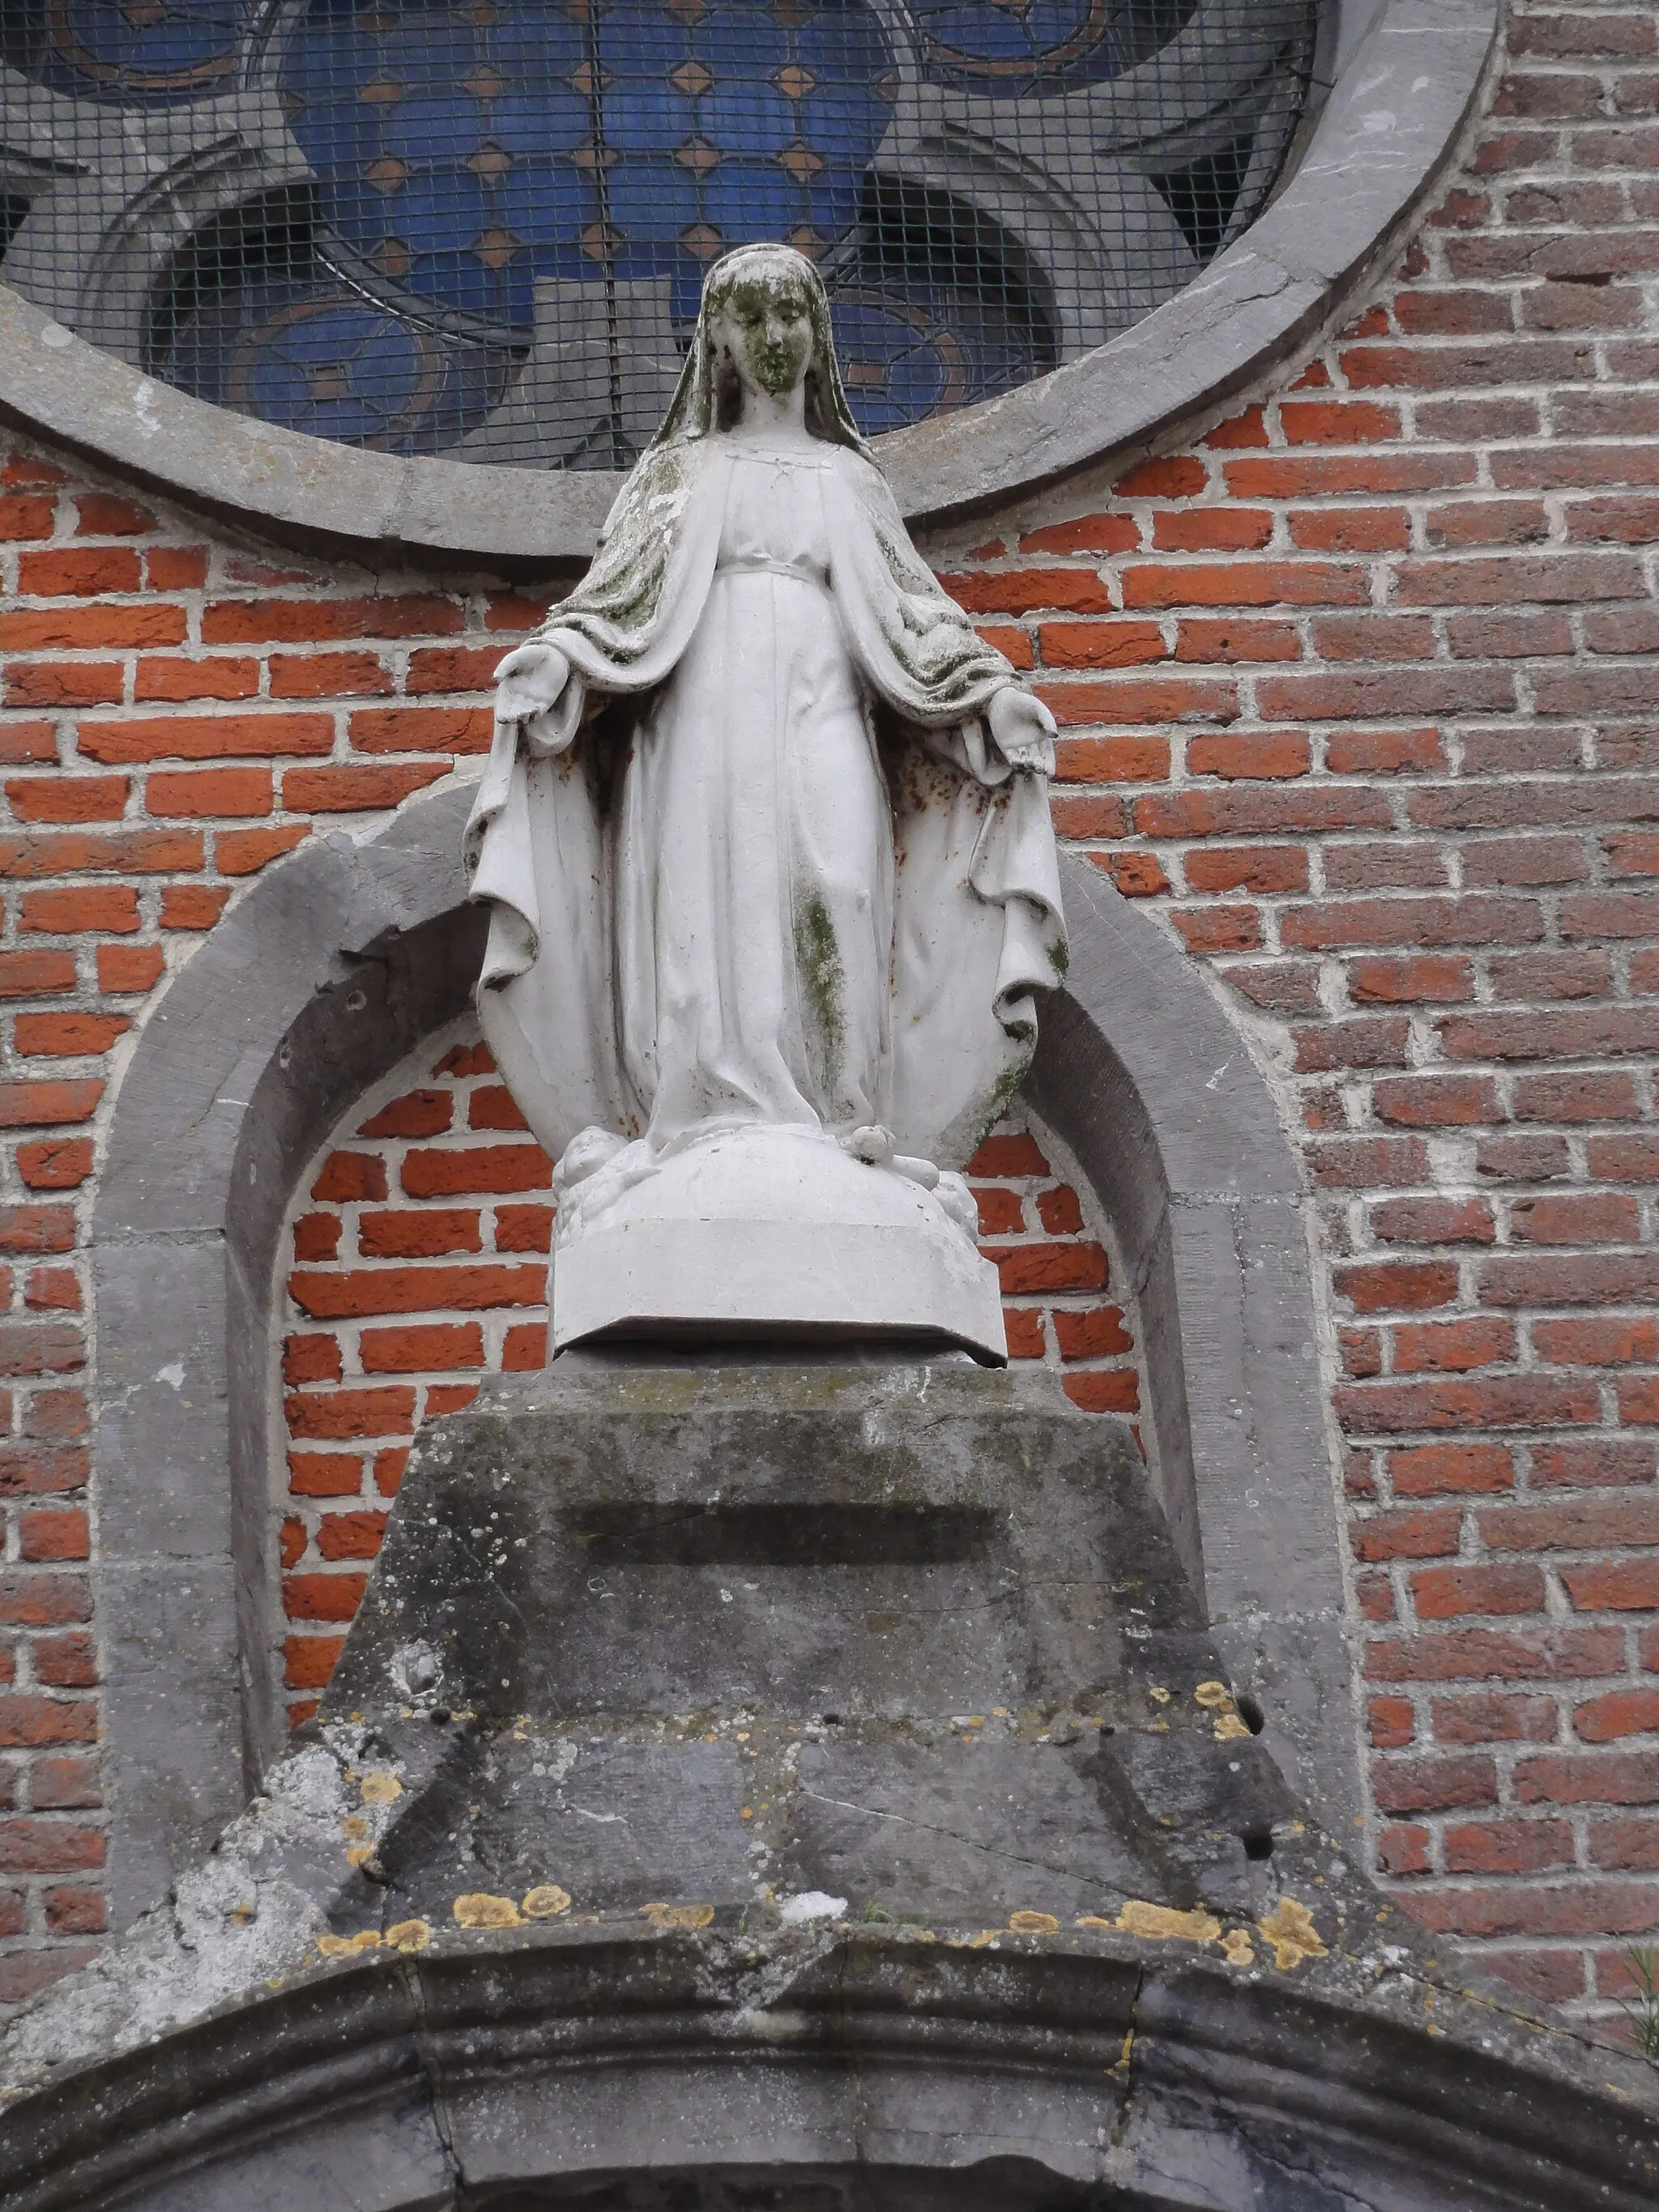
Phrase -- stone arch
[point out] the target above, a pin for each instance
(332, 968)
(572, 2067)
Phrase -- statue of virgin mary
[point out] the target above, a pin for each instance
(765, 837)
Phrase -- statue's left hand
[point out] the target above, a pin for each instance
(529, 681)
(1023, 729)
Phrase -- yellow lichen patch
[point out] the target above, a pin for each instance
(410, 1935)
(985, 1935)
(347, 1946)
(1162, 1923)
(1159, 1694)
(1033, 1923)
(1215, 1697)
(354, 1825)
(678, 1916)
(380, 1787)
(1238, 1948)
(359, 1855)
(476, 1908)
(1094, 1920)
(1290, 1928)
(546, 1901)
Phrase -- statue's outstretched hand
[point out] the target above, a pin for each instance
(1023, 729)
(529, 681)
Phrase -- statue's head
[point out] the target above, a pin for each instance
(758, 320)
(765, 326)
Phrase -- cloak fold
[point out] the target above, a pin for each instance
(977, 926)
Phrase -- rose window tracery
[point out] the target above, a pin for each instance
(481, 229)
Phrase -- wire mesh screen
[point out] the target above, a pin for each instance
(481, 229)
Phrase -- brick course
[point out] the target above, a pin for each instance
(1355, 693)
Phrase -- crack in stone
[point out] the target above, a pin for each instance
(930, 1828)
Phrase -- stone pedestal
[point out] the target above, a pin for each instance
(899, 1630)
(799, 1783)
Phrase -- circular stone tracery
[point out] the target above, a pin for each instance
(1016, 46)
(480, 228)
(128, 52)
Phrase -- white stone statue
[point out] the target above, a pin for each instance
(766, 842)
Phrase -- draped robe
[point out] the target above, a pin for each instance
(717, 896)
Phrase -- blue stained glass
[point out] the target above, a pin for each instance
(756, 200)
(646, 118)
(459, 150)
(991, 31)
(747, 117)
(843, 130)
(449, 115)
(432, 215)
(844, 44)
(325, 67)
(832, 205)
(549, 123)
(434, 132)
(548, 203)
(641, 41)
(536, 46)
(653, 200)
(302, 354)
(742, 42)
(159, 53)
(463, 281)
(340, 141)
(1014, 50)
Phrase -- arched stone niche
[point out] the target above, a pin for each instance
(334, 966)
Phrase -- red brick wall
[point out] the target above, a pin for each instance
(417, 1240)
(1356, 696)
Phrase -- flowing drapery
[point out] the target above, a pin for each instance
(581, 807)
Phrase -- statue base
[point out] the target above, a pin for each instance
(796, 1781)
(719, 1630)
(770, 1233)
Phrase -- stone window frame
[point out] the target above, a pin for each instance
(333, 967)
(1402, 75)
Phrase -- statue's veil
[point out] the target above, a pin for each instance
(692, 411)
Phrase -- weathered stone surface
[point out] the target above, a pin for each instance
(584, 1891)
(896, 1629)
(845, 2069)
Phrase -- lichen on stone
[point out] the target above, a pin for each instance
(1290, 1928)
(477, 1908)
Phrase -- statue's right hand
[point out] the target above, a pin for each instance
(529, 681)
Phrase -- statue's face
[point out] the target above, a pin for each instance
(765, 327)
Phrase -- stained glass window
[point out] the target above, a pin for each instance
(481, 229)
